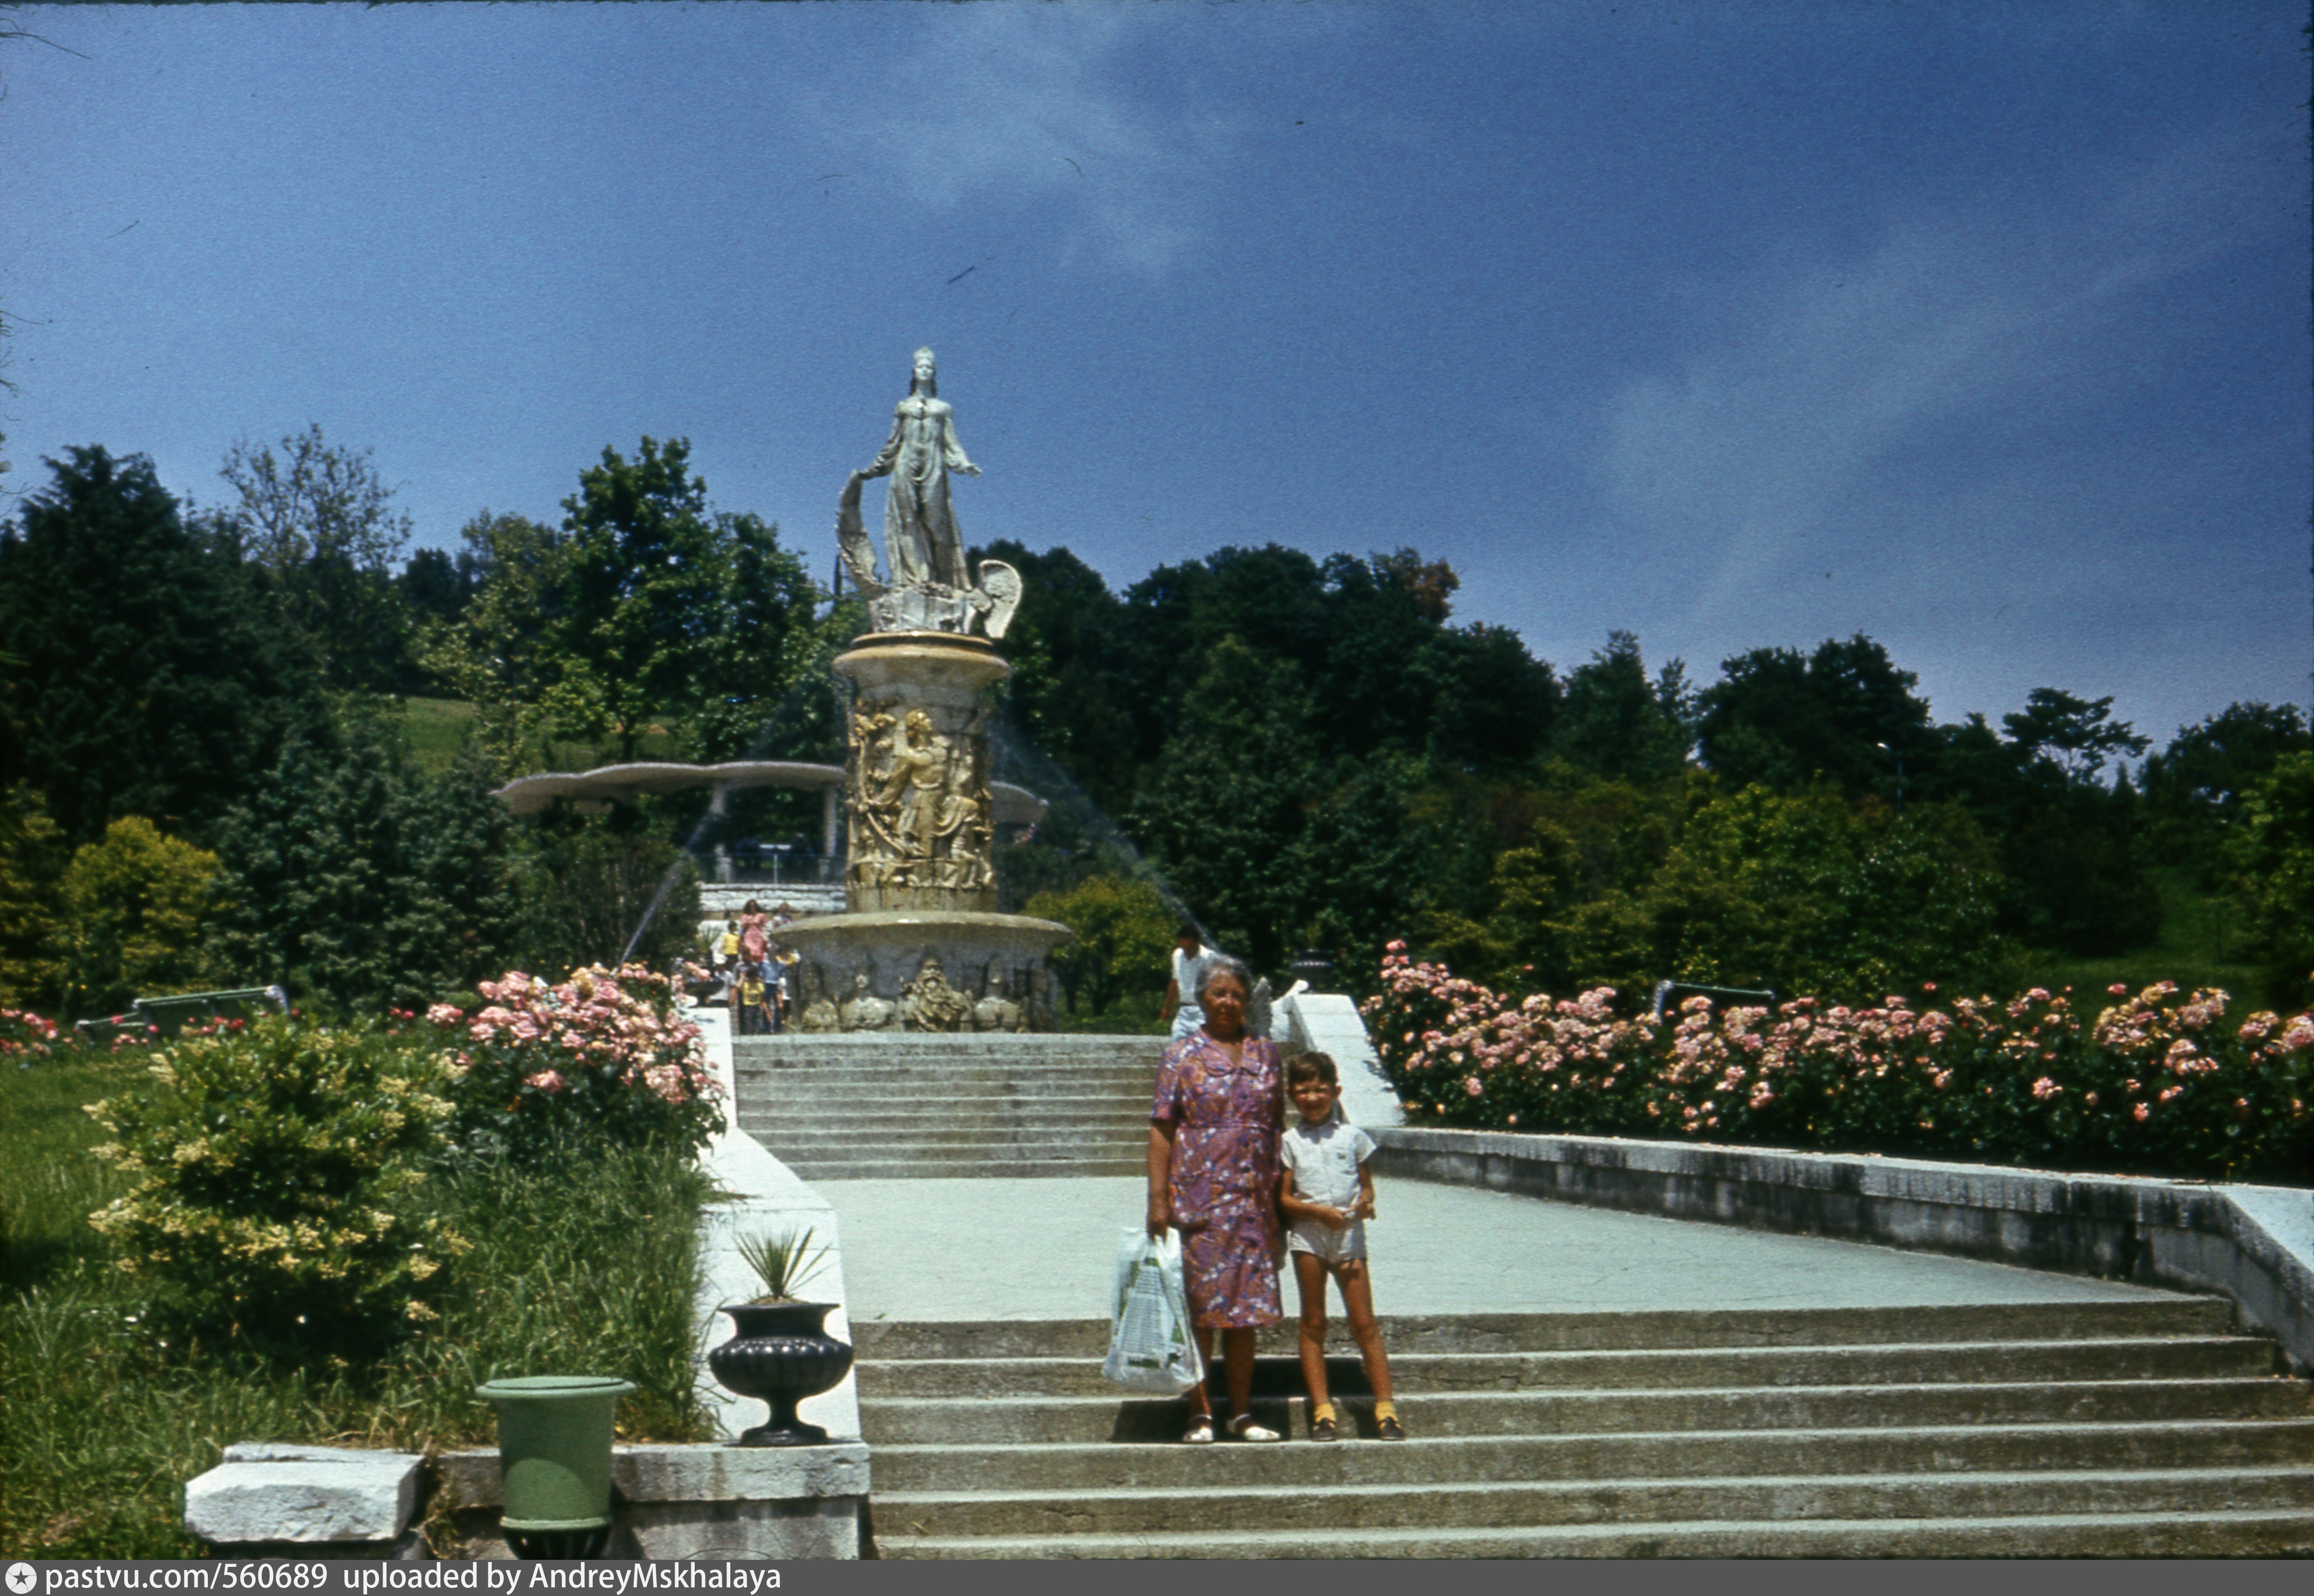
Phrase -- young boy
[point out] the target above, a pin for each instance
(726, 960)
(751, 1001)
(1326, 1193)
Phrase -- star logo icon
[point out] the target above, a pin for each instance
(23, 1577)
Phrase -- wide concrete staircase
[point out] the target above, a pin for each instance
(2136, 1428)
(877, 1106)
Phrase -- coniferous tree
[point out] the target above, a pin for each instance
(33, 859)
(143, 672)
(357, 880)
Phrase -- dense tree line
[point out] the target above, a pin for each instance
(204, 776)
(1314, 752)
(1293, 751)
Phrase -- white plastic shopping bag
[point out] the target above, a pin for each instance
(1151, 1347)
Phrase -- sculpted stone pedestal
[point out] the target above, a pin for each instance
(922, 946)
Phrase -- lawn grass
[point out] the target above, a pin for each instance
(587, 1267)
(435, 728)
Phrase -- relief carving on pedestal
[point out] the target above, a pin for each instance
(919, 802)
(865, 1011)
(819, 1011)
(997, 1011)
(932, 1004)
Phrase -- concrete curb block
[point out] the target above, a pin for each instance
(263, 1494)
(699, 1500)
(2252, 1244)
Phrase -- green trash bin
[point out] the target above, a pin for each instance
(554, 1460)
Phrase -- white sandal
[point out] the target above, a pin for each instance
(1200, 1432)
(1243, 1428)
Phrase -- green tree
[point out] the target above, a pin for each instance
(2271, 855)
(1813, 894)
(321, 521)
(2194, 788)
(645, 609)
(148, 676)
(1229, 801)
(1075, 693)
(436, 586)
(361, 882)
(497, 653)
(1122, 942)
(1843, 714)
(136, 906)
(2076, 734)
(32, 861)
(1617, 724)
(593, 886)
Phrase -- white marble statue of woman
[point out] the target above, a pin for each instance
(920, 537)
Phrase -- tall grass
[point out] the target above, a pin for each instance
(588, 1267)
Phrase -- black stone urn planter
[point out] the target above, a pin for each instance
(1312, 965)
(781, 1354)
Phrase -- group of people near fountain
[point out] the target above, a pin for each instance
(1245, 1190)
(754, 971)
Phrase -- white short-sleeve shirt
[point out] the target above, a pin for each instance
(1190, 972)
(1325, 1160)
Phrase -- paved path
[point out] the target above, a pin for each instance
(1030, 1249)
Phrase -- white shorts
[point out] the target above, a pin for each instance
(1326, 1244)
(1188, 1020)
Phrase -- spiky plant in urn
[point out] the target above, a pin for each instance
(921, 945)
(781, 1351)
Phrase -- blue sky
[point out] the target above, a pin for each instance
(1979, 327)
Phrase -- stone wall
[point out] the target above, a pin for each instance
(2253, 1244)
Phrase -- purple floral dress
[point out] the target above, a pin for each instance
(1225, 1176)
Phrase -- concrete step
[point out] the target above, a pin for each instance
(901, 1112)
(1033, 1420)
(929, 1090)
(1037, 1168)
(961, 1066)
(795, 1047)
(808, 1097)
(1321, 1508)
(1932, 1363)
(2286, 1532)
(1429, 1458)
(965, 1118)
(1042, 1148)
(2165, 1316)
(839, 1137)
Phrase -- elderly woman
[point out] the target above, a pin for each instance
(1212, 1174)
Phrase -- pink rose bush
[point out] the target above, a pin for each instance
(2156, 1083)
(600, 1055)
(25, 1036)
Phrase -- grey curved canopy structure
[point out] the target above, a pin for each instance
(623, 783)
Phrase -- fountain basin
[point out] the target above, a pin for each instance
(993, 964)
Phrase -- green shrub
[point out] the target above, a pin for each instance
(135, 907)
(33, 859)
(600, 1058)
(1123, 936)
(587, 1264)
(274, 1168)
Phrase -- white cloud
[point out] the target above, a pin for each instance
(1849, 396)
(1008, 103)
